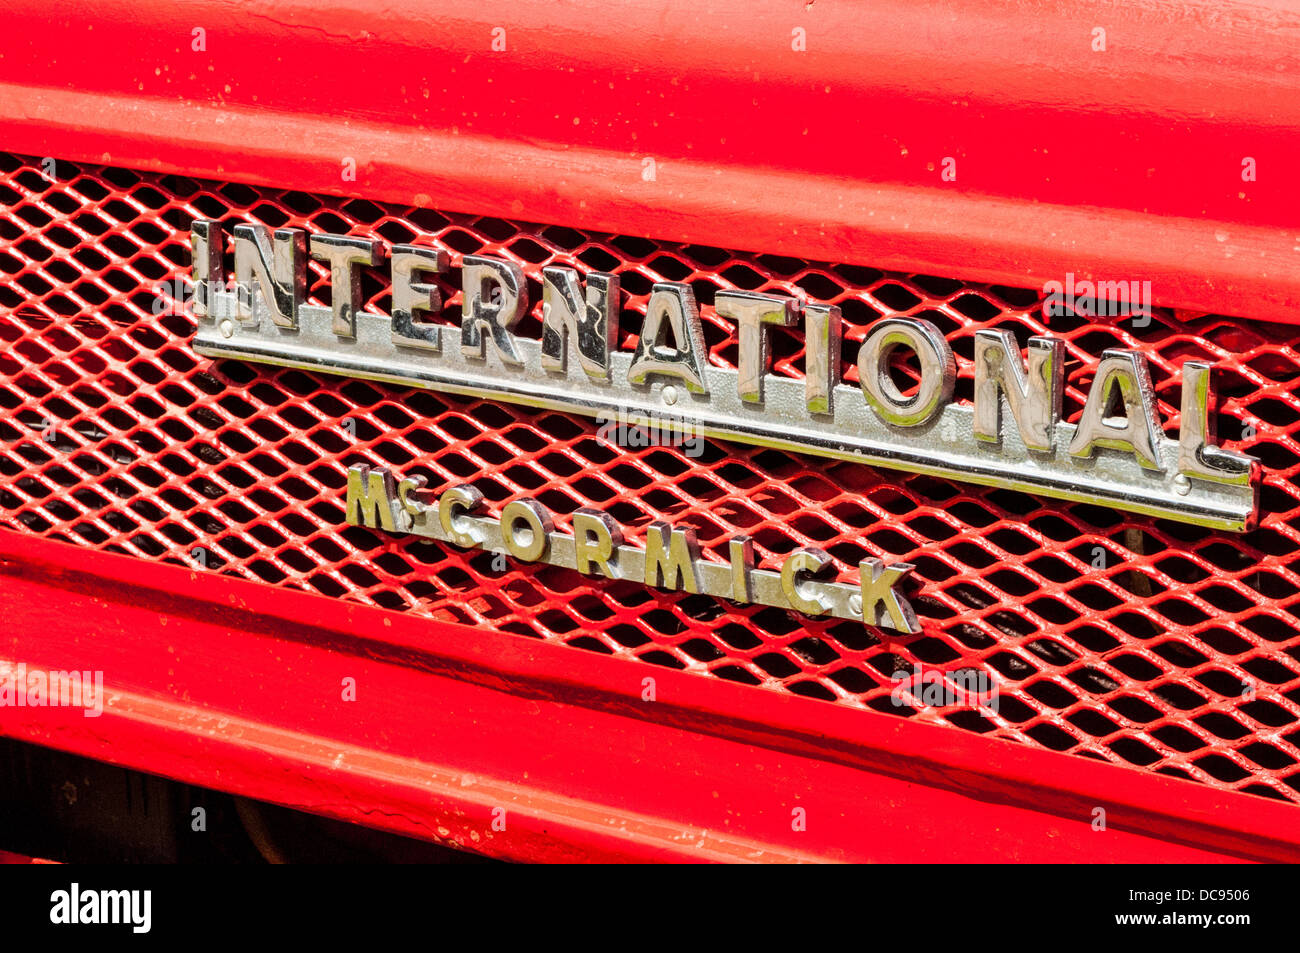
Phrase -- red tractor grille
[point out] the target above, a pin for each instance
(1111, 636)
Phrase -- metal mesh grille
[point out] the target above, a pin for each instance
(1117, 637)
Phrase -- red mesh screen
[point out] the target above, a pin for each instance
(1111, 636)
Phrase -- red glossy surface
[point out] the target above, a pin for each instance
(235, 685)
(1121, 164)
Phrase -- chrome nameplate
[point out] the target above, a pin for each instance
(1011, 436)
(671, 559)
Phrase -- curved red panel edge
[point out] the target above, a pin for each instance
(231, 684)
(1124, 163)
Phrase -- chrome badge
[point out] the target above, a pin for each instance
(1011, 436)
(378, 499)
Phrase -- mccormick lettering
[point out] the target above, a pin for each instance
(669, 560)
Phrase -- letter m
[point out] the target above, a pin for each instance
(670, 556)
(119, 902)
(372, 494)
(1113, 296)
(65, 688)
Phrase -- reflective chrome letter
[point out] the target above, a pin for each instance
(280, 270)
(482, 310)
(207, 247)
(343, 255)
(531, 544)
(1198, 457)
(1034, 398)
(676, 303)
(410, 296)
(742, 563)
(804, 562)
(454, 501)
(881, 605)
(821, 364)
(1140, 430)
(589, 325)
(371, 494)
(670, 556)
(595, 537)
(938, 371)
(751, 311)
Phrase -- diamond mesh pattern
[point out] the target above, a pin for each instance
(1111, 636)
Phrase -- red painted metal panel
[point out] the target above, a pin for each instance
(1122, 163)
(1174, 653)
(10, 858)
(222, 682)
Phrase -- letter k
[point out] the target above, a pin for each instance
(877, 581)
